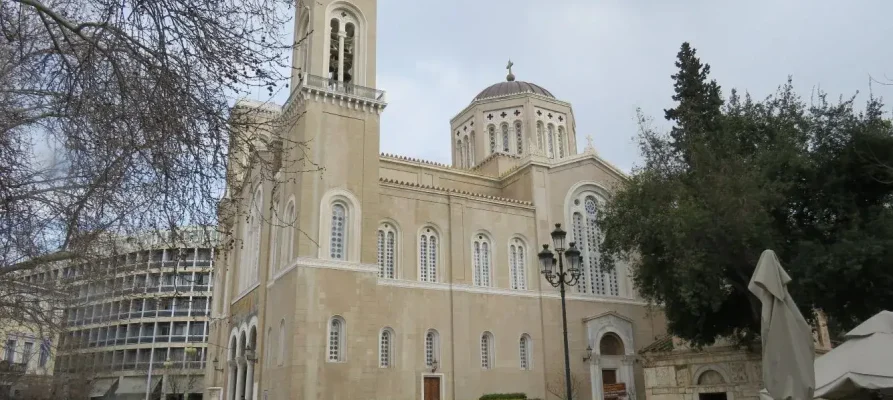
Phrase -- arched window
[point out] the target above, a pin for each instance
(550, 137)
(467, 151)
(471, 150)
(505, 137)
(281, 353)
(428, 253)
(275, 227)
(251, 242)
(432, 348)
(387, 247)
(291, 225)
(519, 139)
(338, 238)
(268, 347)
(588, 238)
(561, 142)
(487, 350)
(343, 49)
(539, 135)
(518, 264)
(481, 258)
(385, 348)
(524, 351)
(336, 339)
(492, 131)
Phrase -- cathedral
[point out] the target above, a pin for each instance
(400, 278)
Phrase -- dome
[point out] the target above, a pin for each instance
(512, 87)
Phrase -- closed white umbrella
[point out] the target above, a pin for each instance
(863, 362)
(788, 350)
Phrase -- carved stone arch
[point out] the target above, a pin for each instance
(718, 368)
(353, 225)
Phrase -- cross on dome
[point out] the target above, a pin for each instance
(510, 77)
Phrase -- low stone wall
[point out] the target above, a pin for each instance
(685, 374)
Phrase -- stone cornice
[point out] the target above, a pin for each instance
(546, 162)
(503, 200)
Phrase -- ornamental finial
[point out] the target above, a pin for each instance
(510, 77)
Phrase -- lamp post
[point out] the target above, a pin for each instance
(561, 279)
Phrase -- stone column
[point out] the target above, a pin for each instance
(249, 381)
(341, 36)
(629, 376)
(231, 381)
(595, 378)
(240, 379)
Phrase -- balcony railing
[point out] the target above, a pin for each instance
(335, 86)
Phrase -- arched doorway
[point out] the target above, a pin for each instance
(611, 362)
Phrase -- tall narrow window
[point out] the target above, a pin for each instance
(487, 350)
(387, 244)
(280, 356)
(561, 142)
(385, 345)
(519, 138)
(10, 351)
(524, 351)
(275, 226)
(518, 264)
(336, 340)
(347, 65)
(471, 150)
(505, 137)
(428, 253)
(579, 238)
(291, 225)
(593, 240)
(44, 353)
(539, 135)
(492, 131)
(334, 49)
(481, 258)
(338, 240)
(26, 353)
(550, 136)
(459, 158)
(467, 151)
(431, 348)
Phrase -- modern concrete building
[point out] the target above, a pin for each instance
(139, 321)
(388, 277)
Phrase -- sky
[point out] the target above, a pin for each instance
(610, 57)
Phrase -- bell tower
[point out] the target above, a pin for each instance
(337, 129)
(336, 41)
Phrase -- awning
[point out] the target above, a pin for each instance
(136, 385)
(102, 387)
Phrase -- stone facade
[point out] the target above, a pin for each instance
(687, 374)
(398, 278)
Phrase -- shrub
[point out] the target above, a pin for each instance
(504, 396)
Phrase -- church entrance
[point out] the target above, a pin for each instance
(432, 388)
(712, 396)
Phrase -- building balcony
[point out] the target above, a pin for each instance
(334, 86)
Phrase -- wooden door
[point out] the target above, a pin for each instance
(432, 388)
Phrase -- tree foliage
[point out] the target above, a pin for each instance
(737, 176)
(117, 118)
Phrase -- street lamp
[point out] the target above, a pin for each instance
(560, 279)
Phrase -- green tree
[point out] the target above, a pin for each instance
(733, 178)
